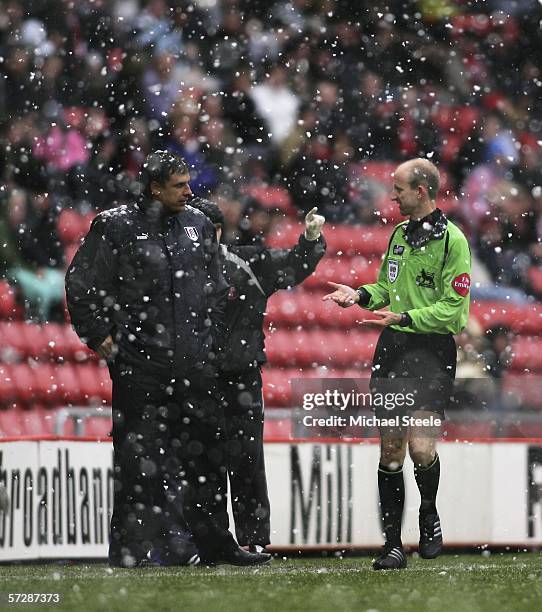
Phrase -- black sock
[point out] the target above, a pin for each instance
(391, 487)
(428, 479)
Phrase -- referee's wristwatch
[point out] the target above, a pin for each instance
(406, 320)
(364, 297)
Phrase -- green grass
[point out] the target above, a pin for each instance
(453, 583)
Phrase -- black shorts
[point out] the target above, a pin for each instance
(421, 365)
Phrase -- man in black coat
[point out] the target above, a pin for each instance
(145, 291)
(254, 274)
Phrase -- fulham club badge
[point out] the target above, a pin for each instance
(192, 233)
(393, 270)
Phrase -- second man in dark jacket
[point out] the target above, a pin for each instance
(254, 273)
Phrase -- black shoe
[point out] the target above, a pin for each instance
(392, 557)
(256, 548)
(430, 536)
(162, 558)
(239, 557)
(127, 562)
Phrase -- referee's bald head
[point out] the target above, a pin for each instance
(421, 171)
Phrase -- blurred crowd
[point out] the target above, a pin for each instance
(294, 94)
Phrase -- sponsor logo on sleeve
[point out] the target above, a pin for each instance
(461, 284)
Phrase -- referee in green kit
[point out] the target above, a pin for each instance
(424, 282)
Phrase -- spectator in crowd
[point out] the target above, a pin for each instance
(474, 387)
(240, 110)
(320, 175)
(31, 256)
(162, 85)
(498, 353)
(276, 103)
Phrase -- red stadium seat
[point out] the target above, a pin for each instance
(285, 235)
(522, 390)
(71, 226)
(527, 354)
(272, 197)
(353, 271)
(63, 344)
(34, 421)
(68, 388)
(8, 390)
(106, 389)
(303, 309)
(13, 343)
(35, 341)
(24, 380)
(75, 348)
(98, 426)
(276, 387)
(90, 382)
(8, 304)
(55, 340)
(368, 241)
(335, 349)
(277, 429)
(291, 308)
(46, 386)
(524, 319)
(11, 422)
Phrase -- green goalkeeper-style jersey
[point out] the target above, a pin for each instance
(431, 283)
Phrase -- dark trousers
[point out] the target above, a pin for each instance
(168, 463)
(244, 414)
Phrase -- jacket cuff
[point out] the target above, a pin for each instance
(406, 320)
(310, 244)
(364, 297)
(95, 341)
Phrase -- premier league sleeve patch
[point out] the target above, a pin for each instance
(461, 284)
(393, 270)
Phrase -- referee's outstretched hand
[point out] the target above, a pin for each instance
(343, 295)
(388, 318)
